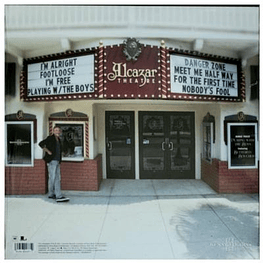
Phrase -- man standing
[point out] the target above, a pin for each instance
(52, 147)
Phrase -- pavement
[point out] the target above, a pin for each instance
(134, 219)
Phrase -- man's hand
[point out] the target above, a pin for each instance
(47, 151)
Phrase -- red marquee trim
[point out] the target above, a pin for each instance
(164, 72)
(87, 138)
(101, 72)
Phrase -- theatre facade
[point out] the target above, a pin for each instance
(132, 110)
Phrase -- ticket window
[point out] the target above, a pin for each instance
(74, 134)
(72, 139)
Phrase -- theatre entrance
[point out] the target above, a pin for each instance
(167, 145)
(120, 156)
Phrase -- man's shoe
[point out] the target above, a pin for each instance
(62, 199)
(52, 196)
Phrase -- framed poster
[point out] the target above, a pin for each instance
(242, 145)
(19, 143)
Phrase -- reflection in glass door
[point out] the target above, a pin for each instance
(167, 145)
(181, 144)
(120, 161)
(152, 145)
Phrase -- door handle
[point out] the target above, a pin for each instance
(171, 146)
(109, 145)
(163, 146)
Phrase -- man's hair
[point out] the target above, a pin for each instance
(56, 126)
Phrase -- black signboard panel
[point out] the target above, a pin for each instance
(242, 145)
(19, 144)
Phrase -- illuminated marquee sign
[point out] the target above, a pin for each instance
(64, 76)
(196, 76)
(61, 76)
(132, 71)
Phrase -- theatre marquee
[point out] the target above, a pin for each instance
(63, 76)
(132, 71)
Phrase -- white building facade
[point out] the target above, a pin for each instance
(140, 92)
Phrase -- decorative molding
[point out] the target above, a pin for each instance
(132, 49)
(101, 71)
(164, 71)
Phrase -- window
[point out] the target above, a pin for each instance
(75, 134)
(72, 138)
(207, 140)
(19, 143)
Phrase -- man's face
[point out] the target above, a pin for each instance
(57, 132)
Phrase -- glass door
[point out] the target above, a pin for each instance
(120, 160)
(181, 154)
(167, 145)
(152, 145)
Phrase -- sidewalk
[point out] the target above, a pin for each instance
(134, 219)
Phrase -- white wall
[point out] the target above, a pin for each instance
(248, 107)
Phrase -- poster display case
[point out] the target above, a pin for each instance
(242, 145)
(19, 143)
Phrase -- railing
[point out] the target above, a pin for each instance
(23, 17)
